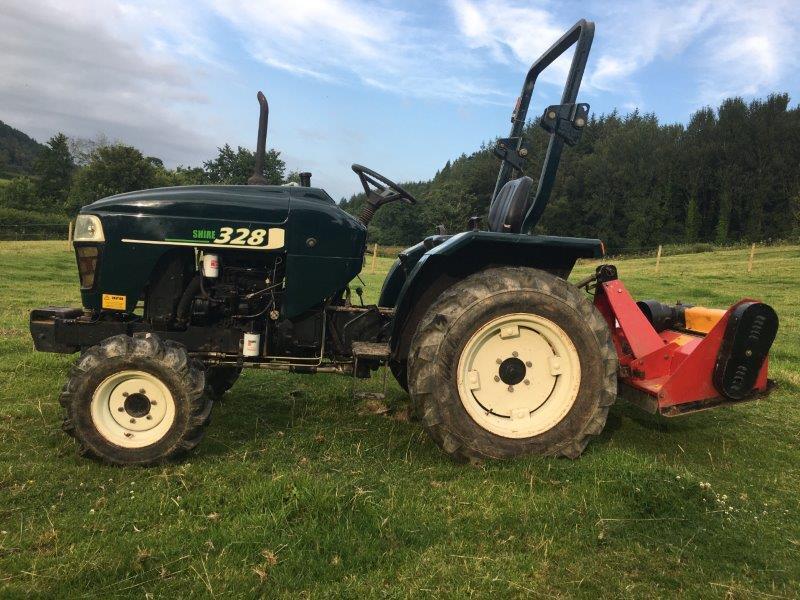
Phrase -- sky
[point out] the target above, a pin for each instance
(398, 86)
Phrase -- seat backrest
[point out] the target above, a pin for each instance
(510, 206)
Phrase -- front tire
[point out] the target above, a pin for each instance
(512, 361)
(136, 401)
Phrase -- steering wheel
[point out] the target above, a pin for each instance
(379, 191)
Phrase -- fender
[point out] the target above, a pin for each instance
(419, 276)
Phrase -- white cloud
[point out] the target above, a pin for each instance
(634, 34)
(751, 50)
(90, 66)
(521, 31)
(352, 43)
(727, 47)
(139, 70)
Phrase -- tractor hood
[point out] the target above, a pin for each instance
(324, 245)
(260, 203)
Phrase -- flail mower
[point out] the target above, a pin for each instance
(184, 287)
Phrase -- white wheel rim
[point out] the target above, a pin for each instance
(132, 409)
(492, 385)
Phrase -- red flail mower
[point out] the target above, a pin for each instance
(683, 358)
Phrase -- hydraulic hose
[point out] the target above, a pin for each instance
(185, 303)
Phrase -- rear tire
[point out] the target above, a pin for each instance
(512, 361)
(136, 401)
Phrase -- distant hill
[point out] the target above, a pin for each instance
(17, 151)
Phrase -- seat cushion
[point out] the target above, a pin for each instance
(510, 206)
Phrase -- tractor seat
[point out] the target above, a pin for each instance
(506, 213)
(511, 205)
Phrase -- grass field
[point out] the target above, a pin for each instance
(299, 492)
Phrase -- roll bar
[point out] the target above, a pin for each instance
(563, 121)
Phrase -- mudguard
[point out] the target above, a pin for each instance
(420, 275)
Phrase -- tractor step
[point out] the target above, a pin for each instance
(371, 350)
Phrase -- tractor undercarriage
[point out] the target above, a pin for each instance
(333, 342)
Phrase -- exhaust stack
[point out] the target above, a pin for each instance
(257, 178)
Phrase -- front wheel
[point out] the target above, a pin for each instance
(512, 361)
(136, 401)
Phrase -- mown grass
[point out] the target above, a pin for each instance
(298, 492)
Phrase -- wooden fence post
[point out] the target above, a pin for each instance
(750, 260)
(374, 256)
(658, 258)
(69, 236)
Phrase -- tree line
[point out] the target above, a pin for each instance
(70, 173)
(731, 174)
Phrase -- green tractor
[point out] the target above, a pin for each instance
(184, 287)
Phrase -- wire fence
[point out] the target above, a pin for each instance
(63, 230)
(34, 231)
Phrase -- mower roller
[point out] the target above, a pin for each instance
(183, 288)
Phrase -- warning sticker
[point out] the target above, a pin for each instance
(114, 302)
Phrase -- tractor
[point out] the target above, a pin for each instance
(184, 287)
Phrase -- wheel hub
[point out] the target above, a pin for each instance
(512, 371)
(137, 405)
(518, 375)
(133, 409)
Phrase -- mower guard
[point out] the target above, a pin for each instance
(678, 371)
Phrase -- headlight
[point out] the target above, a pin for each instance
(88, 228)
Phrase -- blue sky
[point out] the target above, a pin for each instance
(399, 86)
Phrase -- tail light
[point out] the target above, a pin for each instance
(87, 264)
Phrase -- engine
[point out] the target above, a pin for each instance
(230, 290)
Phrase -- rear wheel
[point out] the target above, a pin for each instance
(512, 361)
(136, 401)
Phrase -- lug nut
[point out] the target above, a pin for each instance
(527, 382)
(149, 417)
(141, 391)
(125, 394)
(499, 361)
(511, 388)
(515, 354)
(128, 434)
(529, 364)
(121, 409)
(133, 420)
(497, 378)
(153, 403)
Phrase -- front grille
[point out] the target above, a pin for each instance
(87, 264)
